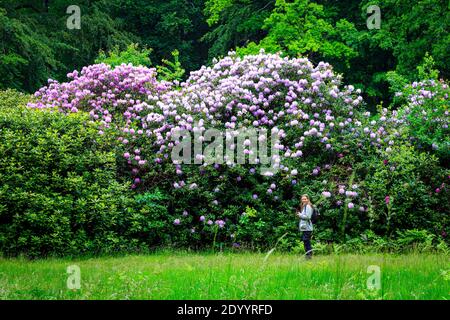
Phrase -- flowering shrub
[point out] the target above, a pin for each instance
(427, 115)
(109, 95)
(407, 189)
(329, 147)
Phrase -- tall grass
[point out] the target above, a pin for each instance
(228, 276)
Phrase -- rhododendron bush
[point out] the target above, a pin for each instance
(327, 145)
(426, 112)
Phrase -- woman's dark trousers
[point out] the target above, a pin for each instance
(306, 238)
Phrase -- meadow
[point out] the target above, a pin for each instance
(185, 275)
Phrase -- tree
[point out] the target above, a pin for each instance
(165, 26)
(36, 45)
(234, 23)
(336, 32)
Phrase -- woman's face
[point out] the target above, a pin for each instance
(304, 200)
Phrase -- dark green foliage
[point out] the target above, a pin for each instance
(410, 179)
(166, 25)
(411, 29)
(235, 23)
(37, 45)
(59, 192)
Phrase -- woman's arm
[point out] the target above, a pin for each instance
(306, 215)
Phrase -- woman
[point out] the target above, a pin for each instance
(305, 224)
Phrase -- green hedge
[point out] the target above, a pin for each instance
(59, 190)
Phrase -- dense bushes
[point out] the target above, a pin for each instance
(366, 172)
(59, 191)
(427, 115)
(405, 190)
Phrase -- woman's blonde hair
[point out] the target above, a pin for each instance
(301, 203)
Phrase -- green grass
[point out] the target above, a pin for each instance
(229, 276)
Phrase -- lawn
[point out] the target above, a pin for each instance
(229, 276)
